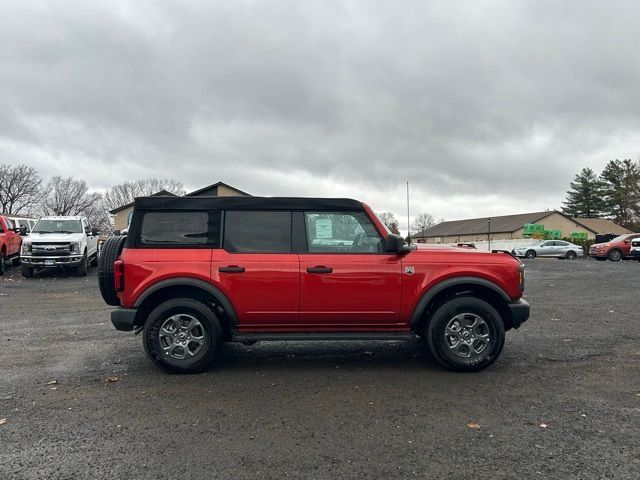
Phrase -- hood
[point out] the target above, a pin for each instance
(54, 237)
(424, 247)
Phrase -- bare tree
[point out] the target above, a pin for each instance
(422, 222)
(125, 192)
(390, 220)
(68, 196)
(19, 189)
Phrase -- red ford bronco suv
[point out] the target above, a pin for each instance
(193, 273)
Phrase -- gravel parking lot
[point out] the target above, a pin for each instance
(81, 400)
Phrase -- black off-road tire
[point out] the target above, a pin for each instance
(3, 262)
(615, 255)
(27, 272)
(452, 309)
(111, 250)
(531, 254)
(94, 260)
(571, 255)
(211, 330)
(81, 269)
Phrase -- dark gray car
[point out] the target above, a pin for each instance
(550, 248)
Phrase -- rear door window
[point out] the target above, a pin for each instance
(257, 231)
(181, 228)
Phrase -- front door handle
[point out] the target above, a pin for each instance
(319, 269)
(231, 269)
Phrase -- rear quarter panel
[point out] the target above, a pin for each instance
(145, 267)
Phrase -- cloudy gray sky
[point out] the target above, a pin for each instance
(486, 107)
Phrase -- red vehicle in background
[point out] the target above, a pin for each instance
(10, 242)
(615, 249)
(194, 273)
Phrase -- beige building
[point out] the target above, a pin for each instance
(504, 227)
(121, 215)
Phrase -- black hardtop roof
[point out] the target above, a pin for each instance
(245, 203)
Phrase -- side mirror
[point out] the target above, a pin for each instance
(22, 231)
(395, 244)
(95, 232)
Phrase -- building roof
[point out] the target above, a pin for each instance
(215, 186)
(602, 225)
(246, 203)
(480, 226)
(161, 193)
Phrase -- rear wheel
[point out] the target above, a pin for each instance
(110, 252)
(182, 335)
(3, 262)
(531, 254)
(27, 272)
(571, 255)
(615, 255)
(466, 334)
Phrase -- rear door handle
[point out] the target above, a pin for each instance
(231, 269)
(319, 269)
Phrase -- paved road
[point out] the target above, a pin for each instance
(325, 410)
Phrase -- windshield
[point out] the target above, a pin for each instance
(58, 226)
(619, 238)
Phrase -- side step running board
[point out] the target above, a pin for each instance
(322, 336)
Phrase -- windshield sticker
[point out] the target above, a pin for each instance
(324, 228)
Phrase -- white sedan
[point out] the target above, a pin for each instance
(550, 248)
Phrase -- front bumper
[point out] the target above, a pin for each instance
(123, 318)
(520, 311)
(51, 262)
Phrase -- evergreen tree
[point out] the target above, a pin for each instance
(621, 186)
(585, 196)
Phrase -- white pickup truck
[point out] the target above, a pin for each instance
(60, 242)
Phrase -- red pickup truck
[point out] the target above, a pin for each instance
(10, 242)
(193, 273)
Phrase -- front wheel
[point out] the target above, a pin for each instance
(81, 269)
(615, 255)
(182, 335)
(27, 272)
(466, 334)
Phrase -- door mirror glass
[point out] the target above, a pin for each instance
(22, 230)
(95, 232)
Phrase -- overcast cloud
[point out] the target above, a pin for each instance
(485, 107)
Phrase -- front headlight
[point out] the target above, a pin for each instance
(26, 249)
(75, 247)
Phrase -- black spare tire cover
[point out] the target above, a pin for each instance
(111, 250)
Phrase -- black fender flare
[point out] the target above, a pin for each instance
(431, 293)
(220, 297)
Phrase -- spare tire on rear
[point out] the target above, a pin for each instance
(111, 250)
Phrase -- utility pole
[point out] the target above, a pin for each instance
(408, 222)
(489, 234)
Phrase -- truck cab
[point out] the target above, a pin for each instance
(67, 243)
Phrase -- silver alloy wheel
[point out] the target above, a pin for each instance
(467, 336)
(181, 336)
